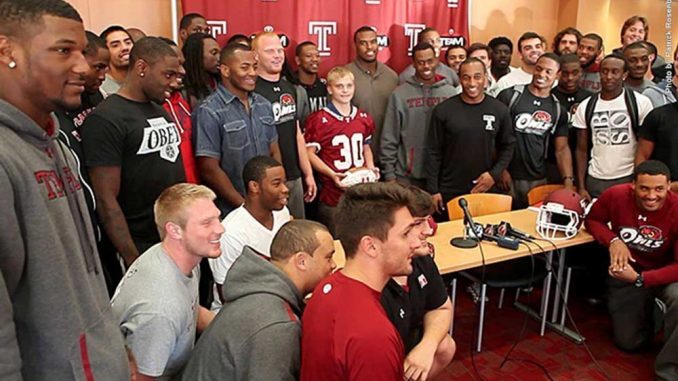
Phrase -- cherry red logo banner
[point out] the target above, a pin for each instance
(331, 23)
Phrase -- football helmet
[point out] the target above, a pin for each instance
(561, 212)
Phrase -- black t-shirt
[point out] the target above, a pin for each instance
(660, 128)
(406, 308)
(570, 102)
(283, 98)
(462, 148)
(141, 139)
(533, 124)
(317, 94)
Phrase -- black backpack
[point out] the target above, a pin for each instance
(518, 93)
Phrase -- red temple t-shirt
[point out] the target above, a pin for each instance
(346, 334)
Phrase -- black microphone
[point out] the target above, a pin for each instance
(511, 231)
(472, 240)
(493, 233)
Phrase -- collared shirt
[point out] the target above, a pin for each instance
(224, 130)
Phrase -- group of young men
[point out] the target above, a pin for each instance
(101, 157)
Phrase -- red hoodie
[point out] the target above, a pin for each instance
(650, 236)
(180, 112)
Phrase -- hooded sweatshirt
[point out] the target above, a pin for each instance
(256, 335)
(403, 138)
(55, 320)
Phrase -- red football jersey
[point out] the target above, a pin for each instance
(340, 142)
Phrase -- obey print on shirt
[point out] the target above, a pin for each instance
(161, 136)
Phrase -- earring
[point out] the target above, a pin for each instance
(12, 64)
(141, 74)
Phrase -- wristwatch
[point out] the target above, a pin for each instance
(640, 282)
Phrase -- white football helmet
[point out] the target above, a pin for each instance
(561, 215)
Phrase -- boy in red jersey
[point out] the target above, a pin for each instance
(346, 334)
(642, 237)
(338, 139)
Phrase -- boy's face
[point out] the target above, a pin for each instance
(341, 90)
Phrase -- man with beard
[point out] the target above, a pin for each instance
(590, 47)
(256, 221)
(403, 140)
(192, 23)
(612, 123)
(308, 61)
(637, 56)
(431, 37)
(374, 81)
(486, 127)
(70, 122)
(570, 95)
(638, 223)
(132, 148)
(530, 46)
(119, 44)
(566, 41)
(537, 115)
(346, 334)
(233, 125)
(55, 318)
(178, 108)
(502, 49)
(270, 56)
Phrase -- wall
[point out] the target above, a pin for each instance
(489, 18)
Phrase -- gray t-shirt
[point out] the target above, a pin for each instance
(156, 306)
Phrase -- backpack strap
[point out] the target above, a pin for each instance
(517, 93)
(632, 108)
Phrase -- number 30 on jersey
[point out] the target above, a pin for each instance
(351, 151)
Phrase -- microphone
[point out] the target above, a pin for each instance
(509, 230)
(493, 233)
(472, 240)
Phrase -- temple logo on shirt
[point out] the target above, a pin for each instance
(611, 128)
(422, 280)
(161, 136)
(55, 185)
(285, 109)
(489, 122)
(538, 123)
(645, 238)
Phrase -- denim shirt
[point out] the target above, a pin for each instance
(224, 130)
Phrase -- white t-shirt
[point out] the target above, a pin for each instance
(241, 228)
(614, 142)
(517, 76)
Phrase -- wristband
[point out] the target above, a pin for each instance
(568, 178)
(612, 240)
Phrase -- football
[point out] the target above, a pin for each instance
(359, 175)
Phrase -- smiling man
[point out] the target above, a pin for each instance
(119, 44)
(403, 140)
(356, 341)
(374, 81)
(233, 125)
(530, 46)
(132, 148)
(156, 303)
(486, 127)
(638, 222)
(538, 118)
(255, 222)
(285, 101)
(55, 322)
